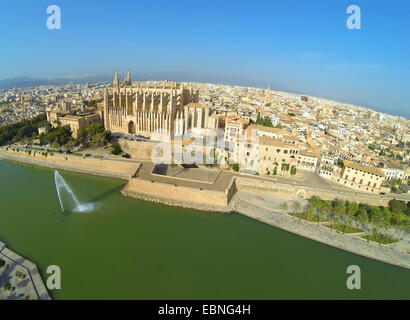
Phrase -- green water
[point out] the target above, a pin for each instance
(131, 249)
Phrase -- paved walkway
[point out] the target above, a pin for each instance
(31, 286)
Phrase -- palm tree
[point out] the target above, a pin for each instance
(351, 210)
(319, 211)
(309, 213)
(398, 220)
(296, 206)
(284, 207)
(340, 211)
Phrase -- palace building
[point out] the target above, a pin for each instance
(168, 107)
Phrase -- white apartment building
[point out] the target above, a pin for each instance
(393, 173)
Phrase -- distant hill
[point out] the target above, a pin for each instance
(24, 82)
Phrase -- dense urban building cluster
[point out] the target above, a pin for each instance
(264, 132)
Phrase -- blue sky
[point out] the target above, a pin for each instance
(294, 45)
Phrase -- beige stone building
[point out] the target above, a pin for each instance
(273, 153)
(307, 160)
(76, 119)
(234, 128)
(360, 177)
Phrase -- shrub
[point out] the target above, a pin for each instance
(7, 285)
(397, 204)
(116, 149)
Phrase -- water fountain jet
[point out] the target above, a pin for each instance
(61, 185)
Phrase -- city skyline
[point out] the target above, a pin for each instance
(294, 47)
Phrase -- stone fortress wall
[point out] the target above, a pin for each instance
(176, 195)
(141, 150)
(103, 167)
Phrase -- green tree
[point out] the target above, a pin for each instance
(7, 285)
(296, 206)
(82, 136)
(340, 211)
(397, 204)
(325, 208)
(363, 218)
(284, 207)
(310, 213)
(315, 202)
(351, 209)
(396, 220)
(95, 128)
(266, 121)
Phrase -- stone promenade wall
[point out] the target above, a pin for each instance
(109, 168)
(290, 192)
(175, 195)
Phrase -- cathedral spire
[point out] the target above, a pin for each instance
(128, 80)
(116, 82)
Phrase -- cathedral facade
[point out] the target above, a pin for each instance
(169, 107)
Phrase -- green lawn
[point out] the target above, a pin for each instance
(344, 228)
(303, 216)
(380, 238)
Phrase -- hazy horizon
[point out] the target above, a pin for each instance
(292, 46)
(241, 82)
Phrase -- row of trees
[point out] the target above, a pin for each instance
(22, 129)
(392, 220)
(58, 137)
(284, 167)
(96, 135)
